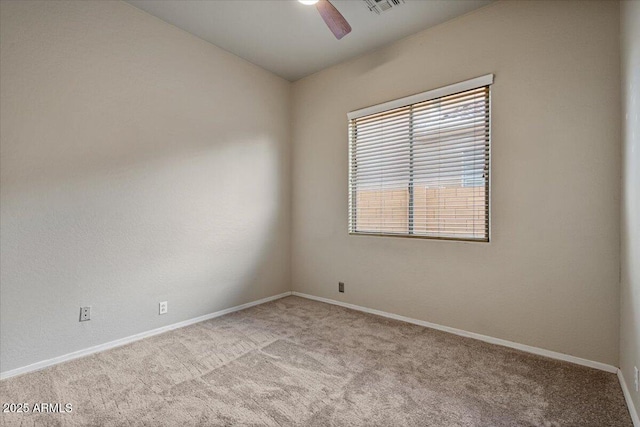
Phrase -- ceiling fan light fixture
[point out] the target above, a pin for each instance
(308, 2)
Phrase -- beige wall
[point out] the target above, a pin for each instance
(630, 295)
(550, 276)
(139, 164)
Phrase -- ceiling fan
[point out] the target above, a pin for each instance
(334, 19)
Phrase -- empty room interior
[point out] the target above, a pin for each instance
(320, 213)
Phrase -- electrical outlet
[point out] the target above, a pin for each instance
(341, 287)
(164, 307)
(636, 379)
(85, 313)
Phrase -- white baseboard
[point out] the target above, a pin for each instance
(523, 347)
(627, 396)
(463, 333)
(122, 341)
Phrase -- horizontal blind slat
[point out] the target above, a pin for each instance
(433, 113)
(458, 97)
(464, 153)
(457, 137)
(435, 126)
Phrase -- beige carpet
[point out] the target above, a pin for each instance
(300, 362)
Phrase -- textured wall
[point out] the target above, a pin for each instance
(630, 294)
(550, 276)
(139, 164)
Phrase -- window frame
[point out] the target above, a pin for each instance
(409, 101)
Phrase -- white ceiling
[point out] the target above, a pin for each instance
(289, 38)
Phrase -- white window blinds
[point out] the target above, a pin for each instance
(419, 166)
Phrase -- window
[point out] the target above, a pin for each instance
(419, 166)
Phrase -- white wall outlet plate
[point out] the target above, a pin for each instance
(636, 379)
(164, 307)
(85, 313)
